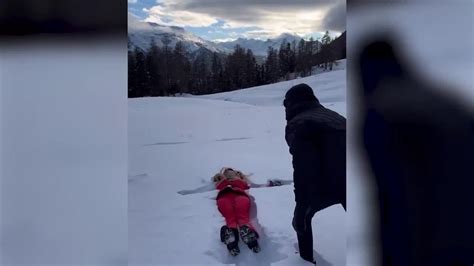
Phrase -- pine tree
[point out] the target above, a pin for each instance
(152, 66)
(132, 76)
(326, 39)
(180, 69)
(287, 59)
(141, 73)
(282, 56)
(250, 70)
(301, 58)
(325, 52)
(291, 57)
(271, 66)
(235, 68)
(310, 51)
(165, 66)
(216, 72)
(200, 75)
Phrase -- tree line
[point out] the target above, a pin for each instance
(166, 70)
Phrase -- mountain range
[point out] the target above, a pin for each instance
(141, 33)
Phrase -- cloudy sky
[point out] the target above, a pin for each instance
(260, 19)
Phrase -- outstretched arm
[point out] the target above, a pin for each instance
(255, 185)
(205, 188)
(271, 183)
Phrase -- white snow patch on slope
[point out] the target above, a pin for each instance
(179, 143)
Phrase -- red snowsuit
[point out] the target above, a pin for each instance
(233, 202)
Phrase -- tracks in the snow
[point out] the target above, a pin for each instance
(184, 142)
(165, 143)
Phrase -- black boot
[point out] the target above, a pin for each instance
(305, 246)
(249, 237)
(230, 237)
(308, 258)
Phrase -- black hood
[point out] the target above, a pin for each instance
(299, 99)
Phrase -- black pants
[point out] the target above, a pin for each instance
(305, 242)
(305, 238)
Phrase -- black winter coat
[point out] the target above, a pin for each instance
(316, 137)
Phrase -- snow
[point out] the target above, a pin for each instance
(260, 47)
(141, 33)
(340, 64)
(178, 143)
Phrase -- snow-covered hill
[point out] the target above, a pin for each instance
(178, 143)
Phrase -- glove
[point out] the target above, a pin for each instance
(274, 182)
(300, 218)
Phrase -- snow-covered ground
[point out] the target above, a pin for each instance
(178, 143)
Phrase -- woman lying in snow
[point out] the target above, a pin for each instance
(233, 202)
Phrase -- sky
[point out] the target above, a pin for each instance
(226, 20)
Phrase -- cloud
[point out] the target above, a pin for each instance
(227, 26)
(335, 19)
(274, 17)
(235, 35)
(224, 40)
(260, 34)
(132, 1)
(171, 16)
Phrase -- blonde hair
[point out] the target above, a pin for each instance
(220, 176)
(217, 178)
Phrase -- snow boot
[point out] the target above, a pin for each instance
(313, 261)
(249, 237)
(230, 237)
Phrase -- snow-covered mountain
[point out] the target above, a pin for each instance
(140, 34)
(260, 47)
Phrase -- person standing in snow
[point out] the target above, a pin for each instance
(316, 137)
(233, 203)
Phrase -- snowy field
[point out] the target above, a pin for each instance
(178, 143)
